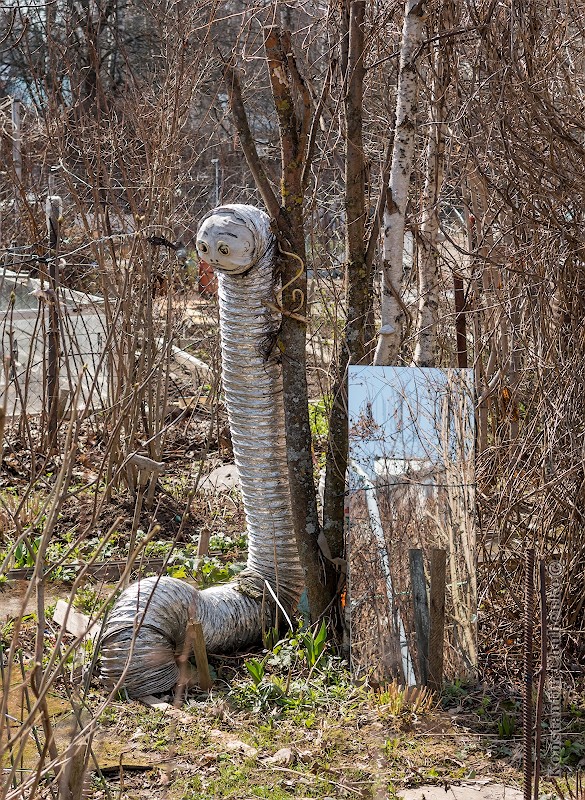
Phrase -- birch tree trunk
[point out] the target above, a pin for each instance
(425, 351)
(392, 311)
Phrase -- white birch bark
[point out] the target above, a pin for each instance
(425, 351)
(392, 314)
(428, 267)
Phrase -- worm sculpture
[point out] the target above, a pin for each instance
(145, 631)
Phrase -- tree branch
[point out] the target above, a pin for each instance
(302, 90)
(287, 117)
(234, 90)
(378, 217)
(310, 147)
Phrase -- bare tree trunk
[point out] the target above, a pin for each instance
(293, 333)
(16, 156)
(357, 276)
(53, 213)
(294, 108)
(425, 351)
(390, 339)
(487, 312)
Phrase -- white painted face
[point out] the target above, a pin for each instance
(225, 243)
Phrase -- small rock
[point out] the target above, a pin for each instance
(282, 757)
(235, 746)
(222, 479)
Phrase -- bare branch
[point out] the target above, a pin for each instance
(285, 109)
(234, 89)
(312, 138)
(301, 88)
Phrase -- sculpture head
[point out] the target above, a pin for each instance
(226, 242)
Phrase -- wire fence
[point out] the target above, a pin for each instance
(24, 346)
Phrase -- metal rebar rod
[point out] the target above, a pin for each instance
(542, 676)
(528, 667)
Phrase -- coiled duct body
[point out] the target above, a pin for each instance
(145, 630)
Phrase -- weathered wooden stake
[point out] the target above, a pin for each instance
(421, 612)
(541, 679)
(460, 326)
(203, 544)
(195, 633)
(436, 618)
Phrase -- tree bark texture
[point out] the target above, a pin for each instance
(287, 214)
(289, 93)
(358, 269)
(425, 352)
(390, 338)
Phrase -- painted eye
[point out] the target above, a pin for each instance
(202, 247)
(223, 248)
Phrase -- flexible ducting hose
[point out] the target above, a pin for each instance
(145, 630)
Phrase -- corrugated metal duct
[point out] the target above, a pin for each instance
(145, 630)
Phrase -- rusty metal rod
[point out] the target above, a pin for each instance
(542, 676)
(528, 670)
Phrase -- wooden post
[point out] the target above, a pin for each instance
(421, 612)
(53, 209)
(203, 544)
(542, 677)
(195, 634)
(460, 326)
(437, 618)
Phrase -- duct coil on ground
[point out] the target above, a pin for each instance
(144, 633)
